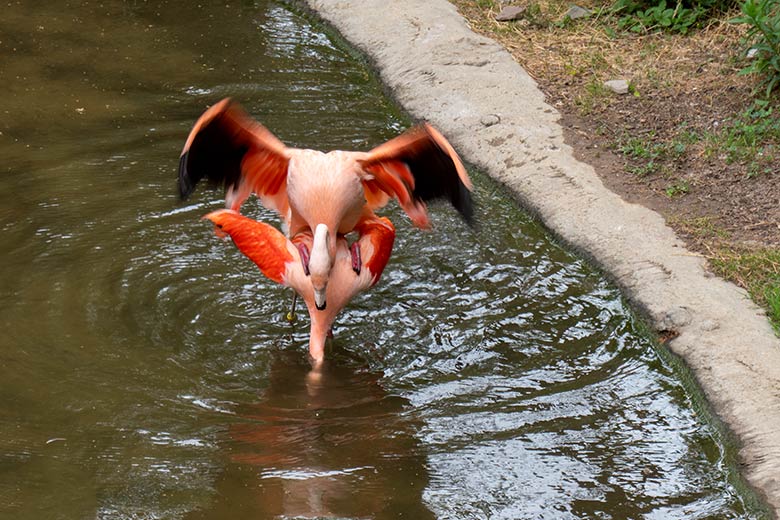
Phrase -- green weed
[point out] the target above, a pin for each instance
(594, 95)
(751, 138)
(772, 297)
(756, 270)
(763, 39)
(653, 154)
(640, 148)
(643, 169)
(655, 15)
(677, 189)
(701, 228)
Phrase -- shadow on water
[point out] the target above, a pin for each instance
(326, 443)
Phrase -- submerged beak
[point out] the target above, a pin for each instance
(319, 299)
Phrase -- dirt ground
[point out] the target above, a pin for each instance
(662, 144)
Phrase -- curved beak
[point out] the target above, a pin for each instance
(319, 299)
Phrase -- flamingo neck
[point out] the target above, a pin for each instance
(317, 337)
(320, 260)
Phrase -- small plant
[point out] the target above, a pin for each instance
(677, 189)
(644, 169)
(633, 147)
(677, 19)
(535, 16)
(762, 40)
(654, 15)
(752, 137)
(594, 95)
(642, 149)
(639, 148)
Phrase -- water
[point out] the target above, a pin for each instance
(147, 371)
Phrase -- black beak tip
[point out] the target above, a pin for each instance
(320, 308)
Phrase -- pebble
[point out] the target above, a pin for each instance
(575, 12)
(509, 13)
(676, 317)
(490, 120)
(709, 325)
(618, 86)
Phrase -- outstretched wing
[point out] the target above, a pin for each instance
(415, 167)
(229, 148)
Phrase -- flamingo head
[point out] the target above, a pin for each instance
(320, 264)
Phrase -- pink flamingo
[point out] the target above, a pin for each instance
(338, 190)
(279, 259)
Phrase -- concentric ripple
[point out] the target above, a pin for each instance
(148, 371)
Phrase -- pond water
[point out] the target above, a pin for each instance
(147, 370)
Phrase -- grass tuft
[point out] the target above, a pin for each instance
(757, 270)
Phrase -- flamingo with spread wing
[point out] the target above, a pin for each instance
(336, 192)
(279, 259)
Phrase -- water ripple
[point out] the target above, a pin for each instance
(148, 369)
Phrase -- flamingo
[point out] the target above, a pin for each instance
(339, 190)
(279, 260)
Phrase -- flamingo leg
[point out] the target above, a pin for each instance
(291, 315)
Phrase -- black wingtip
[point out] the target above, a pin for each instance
(464, 203)
(186, 186)
(470, 216)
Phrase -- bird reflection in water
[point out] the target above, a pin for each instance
(328, 442)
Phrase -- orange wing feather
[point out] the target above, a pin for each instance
(263, 244)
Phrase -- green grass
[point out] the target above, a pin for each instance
(758, 271)
(755, 269)
(645, 151)
(751, 138)
(701, 228)
(594, 95)
(647, 168)
(677, 189)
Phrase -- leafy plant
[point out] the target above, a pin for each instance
(763, 40)
(652, 15)
(678, 188)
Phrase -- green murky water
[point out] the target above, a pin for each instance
(146, 370)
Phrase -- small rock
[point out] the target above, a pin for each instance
(490, 120)
(709, 325)
(618, 86)
(752, 53)
(575, 12)
(675, 318)
(509, 13)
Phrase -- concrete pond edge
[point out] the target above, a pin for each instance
(493, 113)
